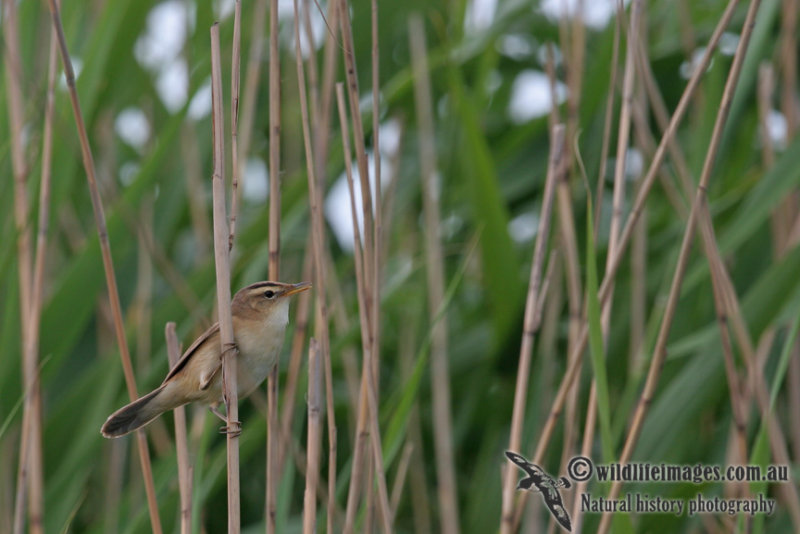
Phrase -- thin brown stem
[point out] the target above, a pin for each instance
(314, 439)
(531, 320)
(440, 374)
(235, 70)
(362, 433)
(273, 443)
(607, 120)
(295, 359)
(332, 443)
(358, 141)
(788, 60)
(317, 236)
(367, 424)
(376, 152)
(251, 79)
(223, 276)
(181, 441)
(30, 438)
(108, 265)
(400, 476)
(31, 326)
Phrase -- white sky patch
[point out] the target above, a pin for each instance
(389, 138)
(479, 15)
(200, 106)
(128, 172)
(777, 128)
(541, 54)
(452, 224)
(224, 8)
(494, 81)
(159, 48)
(164, 35)
(517, 46)
(531, 97)
(595, 13)
(172, 84)
(337, 203)
(728, 42)
(255, 182)
(634, 163)
(77, 67)
(687, 68)
(133, 127)
(286, 9)
(524, 227)
(318, 30)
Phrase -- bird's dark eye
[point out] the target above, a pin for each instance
(269, 293)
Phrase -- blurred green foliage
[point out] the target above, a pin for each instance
(492, 168)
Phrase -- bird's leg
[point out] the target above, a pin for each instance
(213, 408)
(234, 428)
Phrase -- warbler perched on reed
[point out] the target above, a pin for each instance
(260, 313)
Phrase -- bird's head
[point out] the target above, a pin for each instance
(266, 300)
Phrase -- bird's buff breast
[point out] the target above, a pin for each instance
(259, 347)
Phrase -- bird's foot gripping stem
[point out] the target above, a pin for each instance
(234, 429)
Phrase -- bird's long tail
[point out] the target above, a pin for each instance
(135, 415)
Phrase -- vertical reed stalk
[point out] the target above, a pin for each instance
(31, 456)
(295, 360)
(400, 477)
(332, 443)
(321, 143)
(317, 236)
(367, 405)
(367, 298)
(323, 125)
(378, 228)
(108, 265)
(30, 438)
(13, 73)
(181, 441)
(235, 75)
(440, 375)
(356, 476)
(618, 197)
(788, 60)
(607, 120)
(531, 320)
(251, 79)
(358, 136)
(734, 387)
(273, 442)
(314, 439)
(223, 277)
(787, 213)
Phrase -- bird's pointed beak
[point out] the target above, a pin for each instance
(297, 288)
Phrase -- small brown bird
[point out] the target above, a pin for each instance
(260, 313)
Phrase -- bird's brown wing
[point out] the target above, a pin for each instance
(191, 351)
